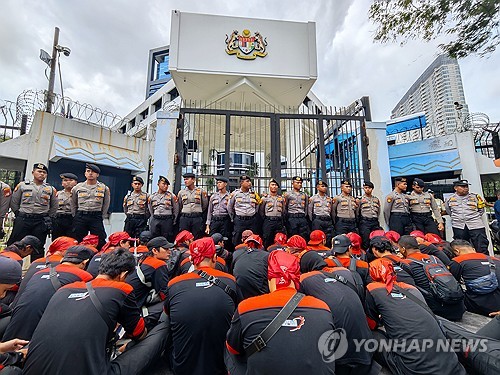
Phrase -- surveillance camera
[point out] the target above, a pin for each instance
(65, 50)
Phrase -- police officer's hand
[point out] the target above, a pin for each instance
(207, 229)
(440, 227)
(12, 345)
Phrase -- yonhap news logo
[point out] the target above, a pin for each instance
(333, 344)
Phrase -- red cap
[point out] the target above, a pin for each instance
(297, 242)
(90, 239)
(280, 238)
(433, 238)
(355, 242)
(317, 237)
(61, 244)
(417, 234)
(382, 271)
(284, 268)
(246, 233)
(183, 236)
(377, 233)
(254, 242)
(392, 236)
(201, 249)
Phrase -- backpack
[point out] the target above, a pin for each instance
(444, 287)
(484, 284)
(358, 281)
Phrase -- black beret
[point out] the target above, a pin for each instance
(369, 184)
(158, 242)
(400, 179)
(71, 176)
(222, 178)
(189, 175)
(321, 183)
(40, 166)
(297, 178)
(346, 182)
(245, 178)
(419, 182)
(138, 179)
(461, 183)
(163, 179)
(273, 180)
(93, 167)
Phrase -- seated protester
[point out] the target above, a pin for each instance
(480, 274)
(317, 242)
(444, 297)
(91, 240)
(10, 276)
(250, 269)
(441, 244)
(200, 306)
(11, 355)
(73, 323)
(428, 248)
(382, 248)
(42, 286)
(150, 280)
(356, 251)
(180, 252)
(185, 265)
(222, 253)
(244, 235)
(341, 257)
(330, 285)
(53, 257)
(142, 248)
(279, 242)
(394, 237)
(115, 240)
(296, 245)
(294, 347)
(401, 309)
(21, 249)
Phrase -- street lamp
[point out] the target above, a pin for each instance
(51, 62)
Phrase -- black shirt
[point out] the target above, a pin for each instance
(155, 272)
(250, 270)
(71, 336)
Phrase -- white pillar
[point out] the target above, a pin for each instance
(163, 163)
(380, 172)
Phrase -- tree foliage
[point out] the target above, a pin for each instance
(473, 25)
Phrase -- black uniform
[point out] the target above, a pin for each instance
(250, 270)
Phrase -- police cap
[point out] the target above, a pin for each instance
(321, 183)
(245, 178)
(163, 179)
(188, 175)
(71, 176)
(93, 167)
(222, 178)
(368, 184)
(418, 182)
(138, 179)
(461, 183)
(273, 180)
(40, 166)
(297, 179)
(346, 183)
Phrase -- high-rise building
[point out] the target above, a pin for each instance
(158, 73)
(440, 94)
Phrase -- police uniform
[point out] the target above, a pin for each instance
(344, 209)
(397, 211)
(163, 209)
(296, 205)
(135, 206)
(466, 218)
(5, 195)
(422, 206)
(89, 204)
(242, 207)
(192, 204)
(320, 213)
(33, 204)
(369, 212)
(218, 218)
(63, 220)
(272, 210)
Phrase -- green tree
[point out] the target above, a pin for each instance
(473, 25)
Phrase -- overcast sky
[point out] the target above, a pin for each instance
(110, 40)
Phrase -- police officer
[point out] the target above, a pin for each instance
(272, 209)
(397, 210)
(218, 220)
(193, 202)
(296, 205)
(163, 209)
(5, 194)
(135, 206)
(345, 209)
(421, 205)
(89, 204)
(369, 211)
(320, 211)
(33, 202)
(466, 211)
(242, 207)
(63, 221)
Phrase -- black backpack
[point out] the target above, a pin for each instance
(444, 287)
(358, 281)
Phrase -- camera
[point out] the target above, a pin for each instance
(65, 50)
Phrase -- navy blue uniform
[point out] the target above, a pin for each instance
(250, 270)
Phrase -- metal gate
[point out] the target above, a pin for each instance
(313, 143)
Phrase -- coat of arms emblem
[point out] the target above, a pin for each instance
(246, 46)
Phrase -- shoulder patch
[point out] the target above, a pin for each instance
(6, 191)
(389, 199)
(17, 187)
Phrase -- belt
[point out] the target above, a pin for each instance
(245, 217)
(136, 216)
(220, 217)
(399, 214)
(347, 220)
(64, 215)
(161, 217)
(369, 218)
(89, 213)
(323, 218)
(195, 214)
(32, 216)
(422, 213)
(273, 218)
(296, 215)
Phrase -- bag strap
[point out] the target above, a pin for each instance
(337, 262)
(260, 342)
(98, 305)
(53, 277)
(216, 281)
(492, 265)
(418, 302)
(352, 265)
(343, 280)
(141, 276)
